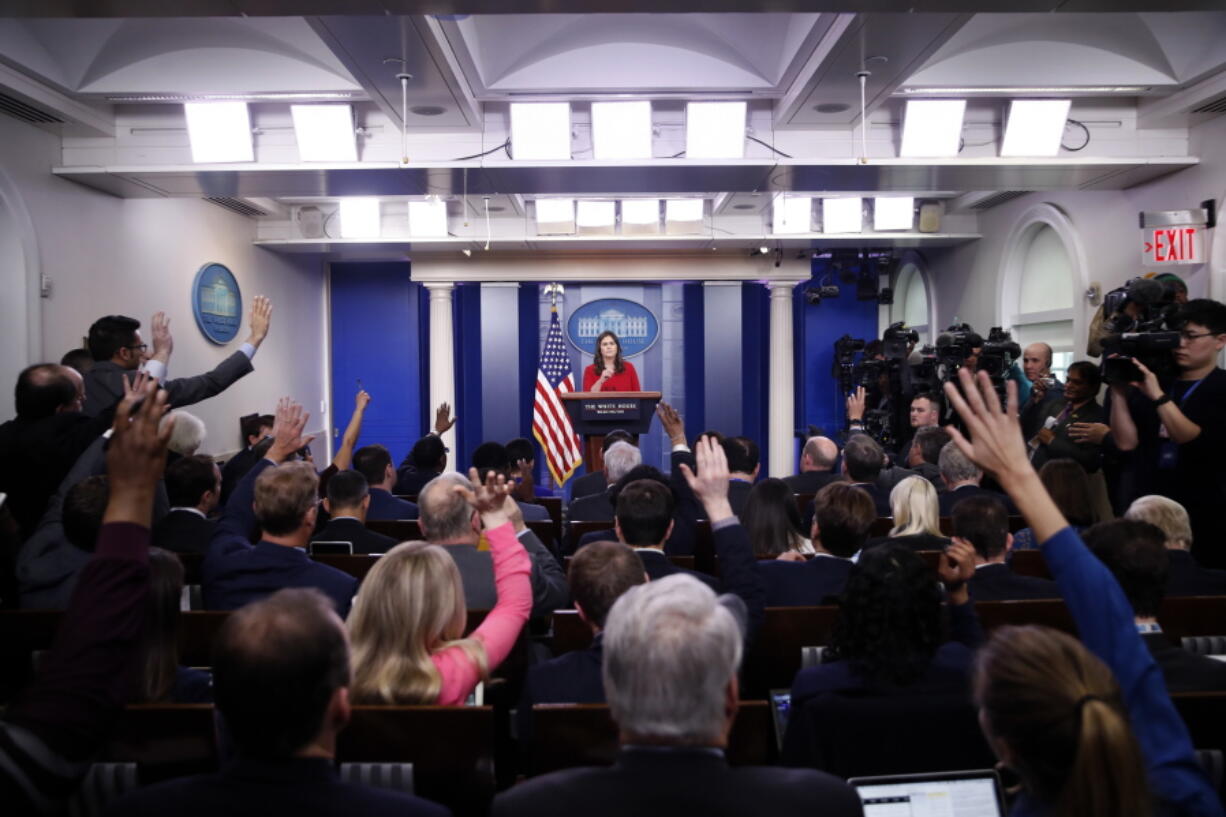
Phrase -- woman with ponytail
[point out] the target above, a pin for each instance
(1057, 715)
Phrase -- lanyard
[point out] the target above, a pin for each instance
(1188, 393)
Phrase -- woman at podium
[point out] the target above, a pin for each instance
(608, 372)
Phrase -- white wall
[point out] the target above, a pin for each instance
(1106, 225)
(106, 255)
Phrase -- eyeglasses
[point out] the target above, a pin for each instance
(1191, 336)
(138, 347)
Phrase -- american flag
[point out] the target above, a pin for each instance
(550, 423)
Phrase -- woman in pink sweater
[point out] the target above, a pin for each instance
(407, 623)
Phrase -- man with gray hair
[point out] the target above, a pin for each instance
(816, 466)
(1185, 577)
(962, 478)
(671, 653)
(448, 520)
(618, 461)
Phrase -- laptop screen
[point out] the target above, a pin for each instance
(943, 794)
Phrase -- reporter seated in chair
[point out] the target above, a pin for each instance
(916, 522)
(981, 522)
(375, 463)
(347, 503)
(193, 486)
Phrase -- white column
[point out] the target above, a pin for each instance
(442, 355)
(781, 411)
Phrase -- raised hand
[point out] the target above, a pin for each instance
(287, 428)
(710, 484)
(261, 316)
(855, 404)
(671, 422)
(136, 455)
(956, 567)
(163, 341)
(443, 421)
(361, 401)
(489, 499)
(134, 388)
(995, 443)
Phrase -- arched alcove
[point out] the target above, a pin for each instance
(20, 326)
(913, 296)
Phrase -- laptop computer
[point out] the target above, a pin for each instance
(975, 793)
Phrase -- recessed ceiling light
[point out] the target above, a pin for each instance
(219, 131)
(428, 110)
(325, 133)
(715, 130)
(540, 130)
(932, 127)
(360, 218)
(831, 107)
(1035, 127)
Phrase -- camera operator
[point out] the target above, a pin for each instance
(1044, 386)
(1176, 427)
(1077, 404)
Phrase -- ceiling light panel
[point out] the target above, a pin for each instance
(540, 131)
(843, 215)
(893, 213)
(360, 218)
(596, 217)
(621, 130)
(1035, 127)
(684, 216)
(428, 219)
(932, 128)
(641, 216)
(555, 216)
(219, 131)
(715, 130)
(791, 215)
(325, 133)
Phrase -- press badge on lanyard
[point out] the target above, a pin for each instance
(1168, 456)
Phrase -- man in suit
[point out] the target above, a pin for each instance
(346, 504)
(744, 462)
(491, 456)
(842, 517)
(644, 521)
(281, 681)
(193, 486)
(982, 523)
(671, 653)
(255, 429)
(863, 460)
(39, 446)
(1044, 386)
(962, 478)
(1185, 577)
(448, 520)
(926, 454)
(116, 344)
(1078, 405)
(375, 463)
(817, 461)
(599, 574)
(278, 497)
(596, 481)
(1135, 552)
(619, 460)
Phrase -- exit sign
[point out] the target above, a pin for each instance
(1177, 244)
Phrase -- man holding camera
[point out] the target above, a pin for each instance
(1177, 428)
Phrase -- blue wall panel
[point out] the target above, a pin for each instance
(755, 366)
(466, 331)
(376, 340)
(695, 359)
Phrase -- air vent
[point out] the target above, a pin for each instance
(1216, 106)
(237, 206)
(998, 199)
(26, 112)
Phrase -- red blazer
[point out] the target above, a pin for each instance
(628, 380)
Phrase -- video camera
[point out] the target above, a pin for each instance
(886, 379)
(1140, 319)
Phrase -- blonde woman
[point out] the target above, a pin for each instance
(407, 623)
(916, 516)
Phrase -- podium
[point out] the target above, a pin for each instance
(595, 413)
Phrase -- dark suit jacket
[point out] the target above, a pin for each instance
(591, 508)
(36, 455)
(738, 495)
(1088, 454)
(410, 480)
(915, 541)
(383, 505)
(810, 482)
(932, 473)
(104, 383)
(656, 565)
(1033, 414)
(803, 584)
(549, 589)
(182, 531)
(588, 484)
(235, 572)
(948, 499)
(1187, 578)
(533, 512)
(303, 787)
(1185, 671)
(235, 469)
(646, 782)
(571, 678)
(348, 529)
(996, 582)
